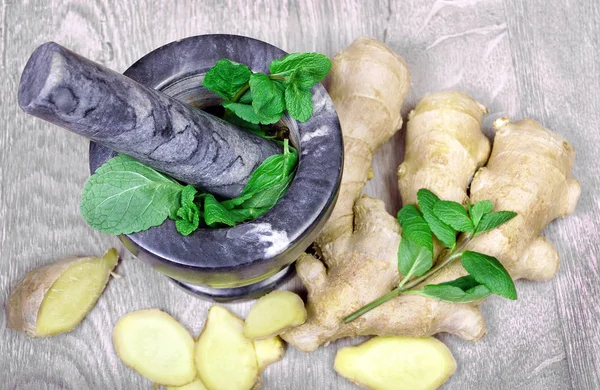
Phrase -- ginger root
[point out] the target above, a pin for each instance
(444, 147)
(155, 345)
(397, 363)
(273, 314)
(359, 244)
(55, 298)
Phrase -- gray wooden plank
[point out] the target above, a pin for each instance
(519, 59)
(556, 56)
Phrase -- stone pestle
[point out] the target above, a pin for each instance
(190, 145)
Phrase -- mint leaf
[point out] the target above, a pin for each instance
(413, 259)
(444, 233)
(234, 119)
(124, 196)
(215, 213)
(415, 227)
(479, 209)
(449, 293)
(299, 102)
(268, 197)
(246, 98)
(272, 170)
(226, 78)
(303, 69)
(247, 113)
(487, 270)
(454, 215)
(188, 215)
(464, 283)
(185, 227)
(267, 95)
(493, 220)
(248, 214)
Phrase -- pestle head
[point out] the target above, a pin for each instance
(73, 92)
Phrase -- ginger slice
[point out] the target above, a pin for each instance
(268, 351)
(155, 345)
(397, 363)
(55, 298)
(274, 313)
(195, 385)
(225, 358)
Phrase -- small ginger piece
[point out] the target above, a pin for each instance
(155, 345)
(268, 351)
(397, 363)
(55, 298)
(196, 384)
(224, 357)
(274, 313)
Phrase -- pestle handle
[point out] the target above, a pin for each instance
(73, 92)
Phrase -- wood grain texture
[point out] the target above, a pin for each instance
(535, 58)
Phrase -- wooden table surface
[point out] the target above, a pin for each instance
(536, 59)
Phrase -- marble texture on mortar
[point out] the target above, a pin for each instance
(236, 256)
(188, 144)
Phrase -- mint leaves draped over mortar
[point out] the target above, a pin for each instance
(125, 196)
(444, 219)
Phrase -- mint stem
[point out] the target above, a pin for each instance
(241, 92)
(402, 288)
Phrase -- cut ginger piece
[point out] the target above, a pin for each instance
(155, 345)
(55, 298)
(268, 351)
(397, 363)
(195, 385)
(224, 357)
(273, 314)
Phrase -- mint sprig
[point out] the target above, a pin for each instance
(124, 196)
(445, 219)
(260, 98)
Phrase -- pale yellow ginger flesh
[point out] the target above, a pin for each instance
(224, 357)
(273, 314)
(195, 385)
(397, 363)
(359, 243)
(55, 298)
(155, 345)
(268, 351)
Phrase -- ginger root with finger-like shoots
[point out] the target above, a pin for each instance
(360, 241)
(529, 173)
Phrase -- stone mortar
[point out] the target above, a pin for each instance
(251, 258)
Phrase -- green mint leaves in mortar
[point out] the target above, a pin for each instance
(124, 196)
(260, 98)
(444, 220)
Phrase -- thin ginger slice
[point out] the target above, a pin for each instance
(268, 351)
(273, 314)
(55, 298)
(155, 345)
(397, 363)
(225, 358)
